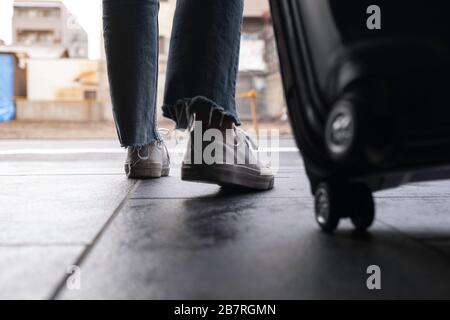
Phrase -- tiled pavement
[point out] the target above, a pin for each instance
(66, 203)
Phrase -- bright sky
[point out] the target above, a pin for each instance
(88, 13)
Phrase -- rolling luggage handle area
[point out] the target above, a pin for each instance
(360, 123)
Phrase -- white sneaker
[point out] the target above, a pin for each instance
(151, 161)
(238, 166)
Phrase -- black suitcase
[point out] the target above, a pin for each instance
(367, 85)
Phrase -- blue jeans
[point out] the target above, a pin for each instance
(202, 66)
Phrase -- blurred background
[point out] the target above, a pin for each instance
(53, 77)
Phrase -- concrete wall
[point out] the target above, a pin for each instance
(256, 8)
(274, 96)
(166, 12)
(251, 81)
(46, 76)
(58, 111)
(270, 96)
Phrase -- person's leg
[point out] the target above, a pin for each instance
(201, 81)
(131, 44)
(203, 60)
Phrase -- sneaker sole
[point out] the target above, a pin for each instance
(227, 176)
(147, 172)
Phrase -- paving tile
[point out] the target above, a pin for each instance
(41, 168)
(423, 219)
(173, 187)
(287, 184)
(253, 248)
(57, 209)
(33, 272)
(437, 189)
(185, 240)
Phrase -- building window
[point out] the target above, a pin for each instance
(37, 12)
(30, 37)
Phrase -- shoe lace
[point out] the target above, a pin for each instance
(161, 132)
(253, 145)
(165, 132)
(248, 139)
(138, 151)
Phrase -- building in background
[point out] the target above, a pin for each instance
(166, 13)
(254, 13)
(259, 66)
(60, 80)
(48, 25)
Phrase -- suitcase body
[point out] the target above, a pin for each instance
(367, 85)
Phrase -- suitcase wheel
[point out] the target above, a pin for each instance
(334, 201)
(363, 207)
(341, 130)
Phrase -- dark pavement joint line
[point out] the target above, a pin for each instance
(89, 247)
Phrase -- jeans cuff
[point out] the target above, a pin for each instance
(182, 111)
(139, 144)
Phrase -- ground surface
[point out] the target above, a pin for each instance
(93, 130)
(66, 203)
